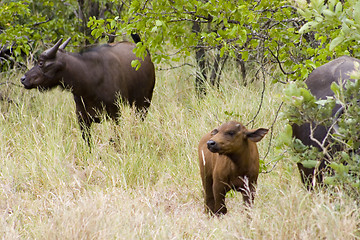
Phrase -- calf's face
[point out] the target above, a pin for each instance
(232, 137)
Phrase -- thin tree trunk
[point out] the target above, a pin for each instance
(87, 9)
(201, 62)
(225, 58)
(241, 62)
(214, 71)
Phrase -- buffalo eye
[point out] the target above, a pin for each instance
(213, 132)
(41, 63)
(230, 133)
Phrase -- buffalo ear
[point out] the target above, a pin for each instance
(257, 134)
(214, 132)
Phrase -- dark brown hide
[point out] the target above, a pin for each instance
(229, 159)
(319, 82)
(97, 78)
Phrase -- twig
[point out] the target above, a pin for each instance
(37, 24)
(317, 141)
(261, 102)
(270, 141)
(170, 68)
(217, 119)
(277, 59)
(269, 171)
(278, 80)
(142, 9)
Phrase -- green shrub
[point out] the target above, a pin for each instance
(302, 107)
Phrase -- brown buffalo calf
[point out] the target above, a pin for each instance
(229, 159)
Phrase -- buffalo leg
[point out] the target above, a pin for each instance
(85, 131)
(307, 175)
(209, 195)
(84, 120)
(219, 190)
(142, 109)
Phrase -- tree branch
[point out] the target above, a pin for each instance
(277, 59)
(39, 23)
(182, 65)
(261, 99)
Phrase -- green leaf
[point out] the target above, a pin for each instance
(158, 23)
(335, 88)
(135, 64)
(328, 13)
(308, 97)
(339, 168)
(330, 180)
(245, 55)
(338, 8)
(285, 137)
(309, 163)
(356, 13)
(113, 24)
(345, 28)
(222, 51)
(308, 27)
(321, 102)
(338, 40)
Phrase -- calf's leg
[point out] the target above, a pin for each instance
(219, 189)
(209, 195)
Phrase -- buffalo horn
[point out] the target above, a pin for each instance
(65, 43)
(51, 53)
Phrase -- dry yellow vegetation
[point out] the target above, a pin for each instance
(141, 180)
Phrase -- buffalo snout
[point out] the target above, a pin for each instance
(24, 82)
(212, 146)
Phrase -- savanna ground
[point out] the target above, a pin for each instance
(141, 180)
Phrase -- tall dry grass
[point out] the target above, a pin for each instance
(141, 180)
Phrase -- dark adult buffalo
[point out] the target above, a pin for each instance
(319, 82)
(97, 78)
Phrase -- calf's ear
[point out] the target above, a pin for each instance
(256, 135)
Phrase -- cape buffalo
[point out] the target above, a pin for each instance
(96, 77)
(319, 82)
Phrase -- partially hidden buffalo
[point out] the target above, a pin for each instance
(97, 78)
(229, 159)
(319, 82)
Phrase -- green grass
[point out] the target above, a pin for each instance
(145, 182)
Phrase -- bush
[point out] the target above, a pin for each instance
(343, 134)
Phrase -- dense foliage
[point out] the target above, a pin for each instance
(248, 31)
(27, 25)
(337, 29)
(254, 33)
(343, 132)
(24, 25)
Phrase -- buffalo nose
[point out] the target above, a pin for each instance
(211, 143)
(22, 79)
